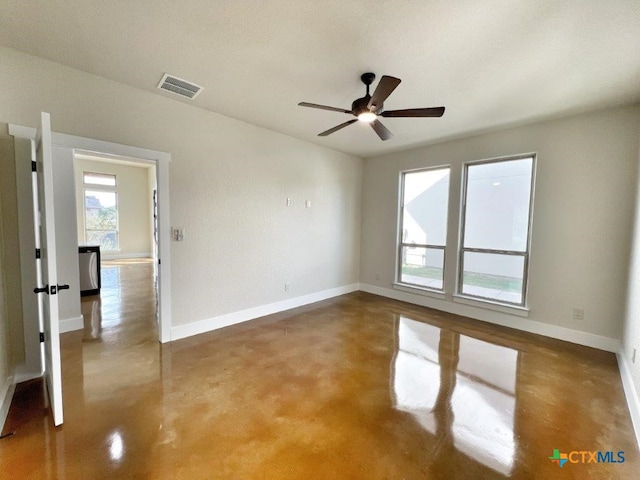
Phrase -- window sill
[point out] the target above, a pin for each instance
(489, 305)
(427, 292)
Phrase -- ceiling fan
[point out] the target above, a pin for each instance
(368, 108)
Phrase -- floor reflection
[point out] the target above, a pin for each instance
(458, 388)
(416, 373)
(116, 446)
(120, 332)
(92, 314)
(110, 275)
(111, 292)
(306, 394)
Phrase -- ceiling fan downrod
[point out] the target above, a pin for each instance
(367, 79)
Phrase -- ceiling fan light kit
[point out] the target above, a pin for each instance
(367, 117)
(368, 108)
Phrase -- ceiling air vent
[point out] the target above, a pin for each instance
(179, 86)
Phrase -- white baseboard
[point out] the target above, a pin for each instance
(209, 324)
(630, 392)
(71, 324)
(5, 400)
(121, 256)
(561, 333)
(22, 374)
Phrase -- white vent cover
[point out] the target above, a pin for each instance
(179, 86)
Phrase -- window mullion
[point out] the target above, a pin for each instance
(494, 251)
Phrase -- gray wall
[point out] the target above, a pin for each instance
(584, 198)
(228, 181)
(10, 259)
(631, 332)
(6, 368)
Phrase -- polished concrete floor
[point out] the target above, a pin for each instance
(357, 387)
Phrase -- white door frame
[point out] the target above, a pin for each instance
(161, 160)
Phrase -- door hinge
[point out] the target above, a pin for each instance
(38, 253)
(41, 337)
(34, 166)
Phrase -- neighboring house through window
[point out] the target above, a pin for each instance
(423, 227)
(101, 210)
(495, 230)
(494, 251)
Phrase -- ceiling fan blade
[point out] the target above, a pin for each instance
(323, 107)
(415, 112)
(386, 85)
(335, 129)
(382, 131)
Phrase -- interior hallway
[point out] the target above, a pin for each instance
(354, 387)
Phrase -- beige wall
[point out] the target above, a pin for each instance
(134, 214)
(584, 197)
(228, 186)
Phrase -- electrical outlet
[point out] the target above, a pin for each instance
(289, 202)
(286, 287)
(578, 314)
(307, 204)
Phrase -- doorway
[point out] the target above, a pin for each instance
(65, 146)
(116, 211)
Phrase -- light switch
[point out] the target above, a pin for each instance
(178, 234)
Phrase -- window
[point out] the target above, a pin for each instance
(101, 210)
(423, 228)
(494, 255)
(99, 179)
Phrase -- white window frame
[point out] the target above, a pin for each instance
(400, 244)
(462, 249)
(101, 188)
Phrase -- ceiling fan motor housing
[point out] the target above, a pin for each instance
(360, 106)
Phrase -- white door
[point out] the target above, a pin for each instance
(47, 288)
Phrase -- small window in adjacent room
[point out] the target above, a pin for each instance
(423, 228)
(101, 211)
(104, 179)
(494, 255)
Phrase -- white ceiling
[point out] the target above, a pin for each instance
(491, 63)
